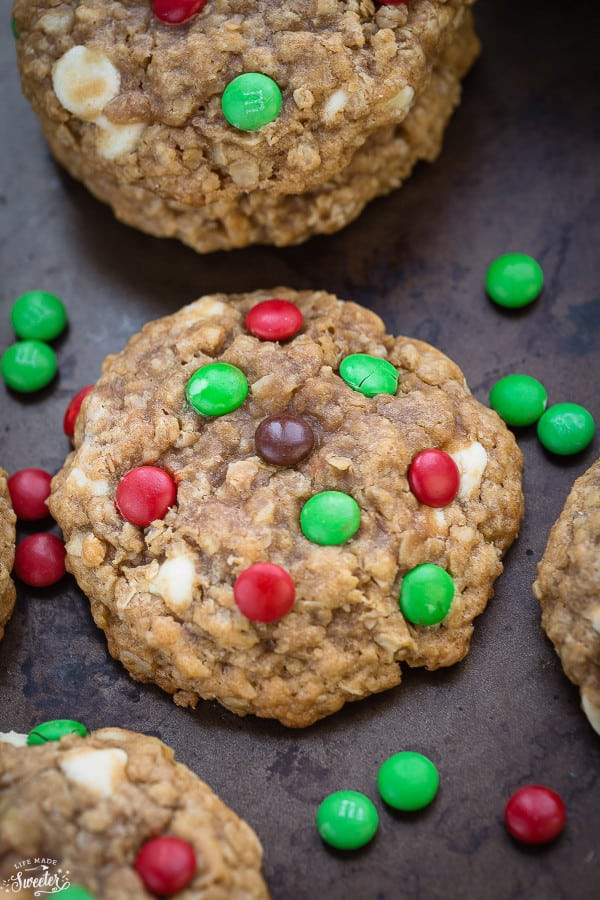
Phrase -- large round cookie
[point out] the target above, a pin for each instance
(132, 107)
(568, 588)
(164, 594)
(7, 553)
(86, 806)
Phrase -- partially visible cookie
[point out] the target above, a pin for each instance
(164, 587)
(7, 553)
(568, 588)
(91, 803)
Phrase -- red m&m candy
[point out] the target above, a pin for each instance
(29, 489)
(434, 478)
(72, 410)
(40, 560)
(145, 494)
(174, 12)
(264, 592)
(274, 320)
(166, 865)
(535, 814)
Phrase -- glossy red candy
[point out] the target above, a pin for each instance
(264, 592)
(29, 489)
(72, 410)
(535, 814)
(174, 12)
(166, 865)
(274, 320)
(40, 560)
(145, 494)
(434, 478)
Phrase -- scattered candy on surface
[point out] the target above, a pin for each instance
(519, 399)
(274, 320)
(216, 389)
(264, 592)
(29, 489)
(54, 730)
(38, 315)
(434, 478)
(535, 814)
(426, 594)
(369, 375)
(566, 428)
(514, 280)
(166, 865)
(72, 410)
(28, 366)
(284, 440)
(250, 101)
(76, 892)
(40, 560)
(145, 494)
(175, 12)
(330, 517)
(347, 820)
(408, 781)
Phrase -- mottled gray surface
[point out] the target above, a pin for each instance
(519, 172)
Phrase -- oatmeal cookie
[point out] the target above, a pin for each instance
(90, 804)
(227, 495)
(133, 107)
(7, 553)
(568, 588)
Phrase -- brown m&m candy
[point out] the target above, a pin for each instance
(284, 440)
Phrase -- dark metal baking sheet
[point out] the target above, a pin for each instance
(519, 171)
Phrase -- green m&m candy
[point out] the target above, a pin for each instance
(217, 389)
(250, 101)
(369, 375)
(76, 892)
(28, 366)
(347, 820)
(54, 730)
(408, 781)
(13, 28)
(38, 315)
(514, 280)
(330, 517)
(566, 428)
(426, 594)
(519, 399)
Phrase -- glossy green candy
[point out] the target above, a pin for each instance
(217, 389)
(408, 781)
(13, 28)
(76, 892)
(566, 428)
(38, 315)
(369, 375)
(347, 820)
(514, 280)
(54, 730)
(250, 101)
(28, 366)
(330, 517)
(426, 594)
(519, 399)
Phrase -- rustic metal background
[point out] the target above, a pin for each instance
(519, 171)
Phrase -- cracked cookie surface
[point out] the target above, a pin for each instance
(7, 553)
(133, 107)
(164, 594)
(568, 588)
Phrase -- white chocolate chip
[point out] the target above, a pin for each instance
(209, 307)
(334, 105)
(471, 462)
(100, 771)
(85, 81)
(14, 738)
(175, 583)
(98, 487)
(592, 712)
(113, 140)
(400, 104)
(56, 21)
(595, 616)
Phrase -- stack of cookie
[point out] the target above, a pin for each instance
(7, 553)
(247, 122)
